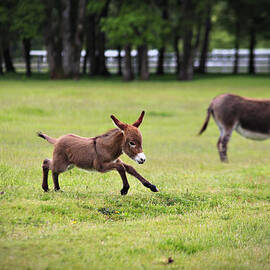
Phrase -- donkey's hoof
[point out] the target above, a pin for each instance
(46, 189)
(124, 191)
(58, 190)
(154, 188)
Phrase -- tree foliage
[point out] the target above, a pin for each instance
(136, 24)
(184, 26)
(28, 18)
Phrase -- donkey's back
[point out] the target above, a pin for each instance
(75, 150)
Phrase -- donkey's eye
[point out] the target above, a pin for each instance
(132, 144)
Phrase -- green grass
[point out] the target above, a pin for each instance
(207, 215)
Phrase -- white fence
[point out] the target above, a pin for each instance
(223, 60)
(219, 61)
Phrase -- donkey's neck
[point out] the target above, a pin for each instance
(111, 142)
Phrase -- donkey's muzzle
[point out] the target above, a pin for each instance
(140, 158)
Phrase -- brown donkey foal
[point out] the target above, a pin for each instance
(100, 153)
(249, 117)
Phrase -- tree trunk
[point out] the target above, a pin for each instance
(1, 64)
(72, 34)
(55, 60)
(236, 46)
(205, 46)
(27, 56)
(101, 43)
(198, 38)
(236, 60)
(186, 69)
(144, 72)
(96, 43)
(79, 36)
(119, 61)
(53, 39)
(102, 68)
(139, 60)
(91, 45)
(161, 52)
(85, 62)
(7, 57)
(177, 54)
(160, 65)
(67, 36)
(1, 59)
(127, 71)
(252, 44)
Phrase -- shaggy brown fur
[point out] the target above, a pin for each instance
(248, 116)
(100, 153)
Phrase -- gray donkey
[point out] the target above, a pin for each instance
(249, 117)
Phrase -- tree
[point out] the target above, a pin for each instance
(128, 73)
(72, 28)
(28, 18)
(1, 61)
(6, 35)
(176, 30)
(164, 5)
(53, 40)
(119, 61)
(189, 17)
(143, 62)
(206, 38)
(231, 18)
(96, 39)
(247, 20)
(257, 21)
(193, 15)
(91, 43)
(64, 28)
(137, 24)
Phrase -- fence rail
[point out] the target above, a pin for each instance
(218, 61)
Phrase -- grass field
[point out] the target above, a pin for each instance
(207, 215)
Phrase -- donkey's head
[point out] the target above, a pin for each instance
(132, 145)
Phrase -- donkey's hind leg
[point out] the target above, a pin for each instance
(219, 147)
(45, 167)
(59, 165)
(223, 145)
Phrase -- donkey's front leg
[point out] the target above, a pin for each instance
(121, 170)
(129, 169)
(55, 181)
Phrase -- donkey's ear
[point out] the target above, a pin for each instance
(118, 123)
(139, 121)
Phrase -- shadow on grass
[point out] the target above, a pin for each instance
(151, 205)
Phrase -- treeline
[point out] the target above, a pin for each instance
(65, 27)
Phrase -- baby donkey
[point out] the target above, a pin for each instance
(100, 153)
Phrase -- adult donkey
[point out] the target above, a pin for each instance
(249, 117)
(100, 153)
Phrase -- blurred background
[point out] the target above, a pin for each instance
(133, 39)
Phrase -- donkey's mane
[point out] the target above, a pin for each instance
(108, 133)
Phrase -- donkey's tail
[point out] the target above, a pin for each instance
(205, 124)
(46, 137)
